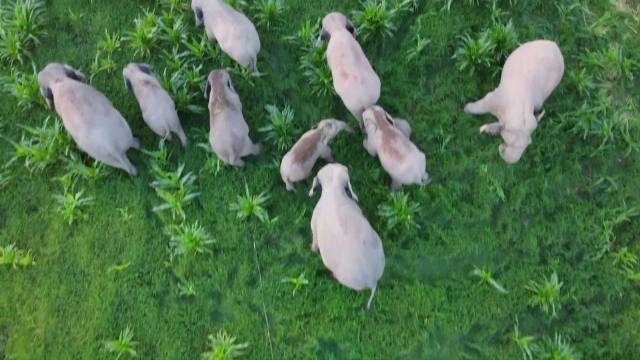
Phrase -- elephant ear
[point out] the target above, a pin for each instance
(199, 16)
(73, 74)
(145, 68)
(352, 29)
(207, 89)
(324, 35)
(350, 192)
(127, 84)
(317, 186)
(48, 96)
(390, 120)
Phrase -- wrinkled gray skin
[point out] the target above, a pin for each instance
(350, 248)
(88, 116)
(529, 76)
(234, 32)
(158, 109)
(229, 135)
(297, 164)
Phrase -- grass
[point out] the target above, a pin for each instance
(569, 207)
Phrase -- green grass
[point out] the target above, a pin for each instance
(570, 207)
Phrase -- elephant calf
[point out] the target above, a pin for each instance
(158, 109)
(404, 162)
(229, 135)
(297, 164)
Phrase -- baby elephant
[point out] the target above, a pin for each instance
(353, 77)
(348, 245)
(298, 162)
(89, 117)
(229, 135)
(529, 76)
(235, 33)
(158, 109)
(398, 155)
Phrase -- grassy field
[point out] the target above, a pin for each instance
(471, 257)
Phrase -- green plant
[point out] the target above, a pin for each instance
(174, 5)
(23, 86)
(486, 277)
(187, 288)
(612, 63)
(194, 77)
(416, 51)
(376, 19)
(611, 219)
(406, 5)
(504, 38)
(123, 345)
(281, 131)
(474, 53)
(306, 35)
(43, 147)
(172, 29)
(110, 44)
(106, 49)
(70, 204)
(525, 343)
(251, 205)
(298, 282)
(546, 294)
(159, 157)
(582, 80)
(600, 119)
(12, 49)
(144, 35)
(201, 49)
(22, 24)
(625, 259)
(189, 239)
(398, 211)
(237, 4)
(212, 166)
(223, 347)
(180, 89)
(10, 255)
(76, 168)
(269, 12)
(448, 3)
(316, 72)
(175, 188)
(556, 349)
(125, 214)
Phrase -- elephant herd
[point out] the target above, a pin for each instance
(349, 246)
